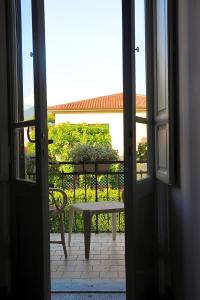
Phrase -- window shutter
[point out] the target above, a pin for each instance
(164, 152)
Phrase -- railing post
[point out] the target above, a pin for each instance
(107, 186)
(96, 198)
(118, 185)
(74, 187)
(85, 186)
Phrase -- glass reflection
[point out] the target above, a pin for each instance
(25, 154)
(28, 112)
(140, 59)
(141, 151)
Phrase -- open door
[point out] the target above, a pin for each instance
(138, 148)
(29, 167)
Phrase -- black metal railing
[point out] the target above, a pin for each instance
(88, 175)
(92, 182)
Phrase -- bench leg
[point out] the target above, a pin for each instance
(114, 225)
(71, 217)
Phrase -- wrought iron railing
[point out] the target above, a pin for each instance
(92, 182)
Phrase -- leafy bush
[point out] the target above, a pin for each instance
(105, 152)
(96, 152)
(82, 152)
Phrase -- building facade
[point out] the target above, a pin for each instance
(102, 110)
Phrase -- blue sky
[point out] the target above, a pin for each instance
(83, 49)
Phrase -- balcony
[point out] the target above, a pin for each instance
(89, 182)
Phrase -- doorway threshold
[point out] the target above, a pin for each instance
(85, 286)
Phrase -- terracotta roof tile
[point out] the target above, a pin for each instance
(109, 102)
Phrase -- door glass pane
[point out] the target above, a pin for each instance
(26, 101)
(140, 60)
(141, 151)
(25, 155)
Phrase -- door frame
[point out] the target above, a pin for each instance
(130, 156)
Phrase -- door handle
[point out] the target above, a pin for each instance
(33, 141)
(28, 135)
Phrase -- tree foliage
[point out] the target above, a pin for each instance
(51, 118)
(65, 136)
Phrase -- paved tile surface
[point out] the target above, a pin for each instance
(106, 258)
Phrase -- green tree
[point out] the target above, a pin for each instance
(65, 136)
(51, 118)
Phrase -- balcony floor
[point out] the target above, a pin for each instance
(106, 262)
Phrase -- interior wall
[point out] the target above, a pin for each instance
(4, 163)
(184, 196)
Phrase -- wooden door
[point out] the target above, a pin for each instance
(29, 156)
(139, 146)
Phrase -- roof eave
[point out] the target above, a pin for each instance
(84, 110)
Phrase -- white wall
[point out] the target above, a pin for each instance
(114, 119)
